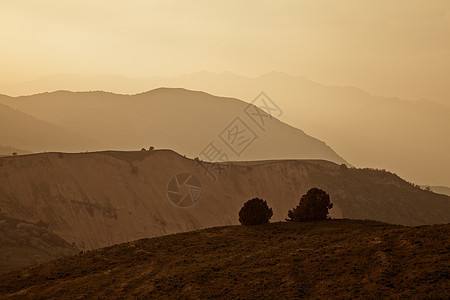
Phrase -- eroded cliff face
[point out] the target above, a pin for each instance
(104, 198)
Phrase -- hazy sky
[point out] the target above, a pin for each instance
(398, 48)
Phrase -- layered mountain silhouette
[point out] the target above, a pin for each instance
(23, 131)
(193, 122)
(104, 198)
(407, 137)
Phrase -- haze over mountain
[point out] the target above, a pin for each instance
(393, 48)
(347, 101)
(23, 131)
(194, 122)
(410, 138)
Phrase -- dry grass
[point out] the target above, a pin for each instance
(23, 244)
(337, 258)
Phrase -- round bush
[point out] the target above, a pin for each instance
(254, 212)
(313, 206)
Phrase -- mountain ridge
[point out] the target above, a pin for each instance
(24, 131)
(338, 115)
(113, 121)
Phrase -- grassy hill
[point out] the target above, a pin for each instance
(24, 243)
(337, 258)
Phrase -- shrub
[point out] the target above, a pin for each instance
(254, 212)
(313, 206)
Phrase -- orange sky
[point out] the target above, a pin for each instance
(395, 48)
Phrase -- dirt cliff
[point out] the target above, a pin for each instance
(104, 198)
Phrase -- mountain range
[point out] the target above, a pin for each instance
(23, 131)
(407, 137)
(195, 123)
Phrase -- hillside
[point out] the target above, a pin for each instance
(26, 132)
(100, 199)
(23, 244)
(175, 119)
(406, 137)
(330, 259)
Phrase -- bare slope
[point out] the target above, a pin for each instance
(173, 118)
(331, 259)
(104, 198)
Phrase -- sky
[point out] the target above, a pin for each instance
(390, 48)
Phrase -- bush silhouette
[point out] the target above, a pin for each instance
(254, 212)
(313, 206)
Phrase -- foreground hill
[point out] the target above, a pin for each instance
(172, 118)
(23, 244)
(337, 258)
(100, 199)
